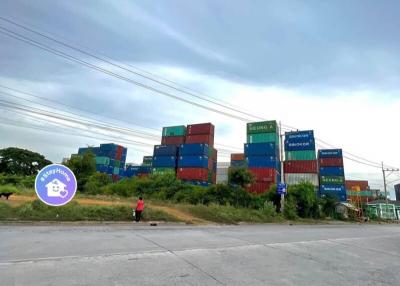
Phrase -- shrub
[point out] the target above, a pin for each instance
(290, 210)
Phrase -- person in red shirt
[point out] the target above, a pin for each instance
(139, 209)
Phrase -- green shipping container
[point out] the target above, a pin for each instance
(174, 131)
(116, 171)
(262, 127)
(117, 163)
(163, 171)
(263, 138)
(332, 180)
(300, 155)
(361, 193)
(102, 161)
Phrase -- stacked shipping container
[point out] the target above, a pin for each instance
(197, 162)
(110, 159)
(262, 155)
(238, 160)
(165, 156)
(331, 173)
(301, 163)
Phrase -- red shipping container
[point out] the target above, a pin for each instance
(207, 139)
(200, 129)
(173, 140)
(237, 157)
(259, 188)
(306, 166)
(263, 175)
(330, 162)
(198, 174)
(353, 185)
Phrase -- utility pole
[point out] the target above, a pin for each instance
(281, 170)
(384, 170)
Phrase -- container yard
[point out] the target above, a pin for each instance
(110, 159)
(331, 172)
(300, 163)
(262, 155)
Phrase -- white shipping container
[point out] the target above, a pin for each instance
(292, 179)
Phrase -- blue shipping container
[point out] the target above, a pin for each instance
(299, 136)
(331, 171)
(108, 147)
(193, 162)
(260, 149)
(144, 170)
(262, 162)
(164, 161)
(330, 190)
(122, 172)
(300, 145)
(193, 149)
(102, 168)
(330, 153)
(165, 150)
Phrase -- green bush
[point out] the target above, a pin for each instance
(17, 180)
(290, 210)
(9, 189)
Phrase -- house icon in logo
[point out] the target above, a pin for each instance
(56, 189)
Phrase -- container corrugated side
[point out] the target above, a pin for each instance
(194, 149)
(200, 129)
(260, 149)
(300, 155)
(174, 131)
(237, 157)
(102, 161)
(356, 185)
(300, 166)
(263, 138)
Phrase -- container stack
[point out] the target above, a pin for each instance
(359, 191)
(331, 173)
(262, 155)
(197, 163)
(238, 160)
(301, 161)
(165, 159)
(165, 156)
(110, 159)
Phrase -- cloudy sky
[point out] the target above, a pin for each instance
(330, 66)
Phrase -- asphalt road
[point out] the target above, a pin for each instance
(215, 255)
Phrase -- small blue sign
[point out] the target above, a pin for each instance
(281, 189)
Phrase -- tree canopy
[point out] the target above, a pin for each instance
(16, 161)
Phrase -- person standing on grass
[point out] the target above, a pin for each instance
(139, 209)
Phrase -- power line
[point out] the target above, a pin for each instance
(124, 68)
(71, 58)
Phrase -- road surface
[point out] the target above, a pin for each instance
(208, 255)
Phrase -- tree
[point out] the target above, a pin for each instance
(16, 161)
(240, 176)
(83, 167)
(95, 183)
(305, 196)
(329, 205)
